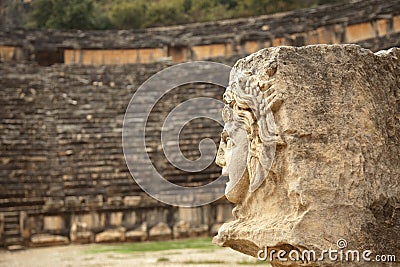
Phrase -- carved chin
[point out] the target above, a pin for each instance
(236, 191)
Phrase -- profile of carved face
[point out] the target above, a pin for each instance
(232, 157)
(247, 144)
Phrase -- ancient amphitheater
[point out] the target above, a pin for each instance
(64, 93)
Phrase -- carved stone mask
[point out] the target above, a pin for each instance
(335, 176)
(248, 138)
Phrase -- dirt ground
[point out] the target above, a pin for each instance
(81, 256)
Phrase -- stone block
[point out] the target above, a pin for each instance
(83, 237)
(115, 218)
(134, 235)
(53, 223)
(199, 231)
(132, 201)
(161, 231)
(80, 234)
(115, 201)
(381, 25)
(6, 53)
(53, 205)
(181, 230)
(129, 218)
(153, 216)
(72, 202)
(396, 23)
(91, 220)
(251, 46)
(194, 216)
(39, 240)
(138, 233)
(358, 32)
(111, 235)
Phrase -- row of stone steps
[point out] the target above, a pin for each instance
(12, 233)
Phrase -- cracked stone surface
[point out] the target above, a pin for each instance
(336, 169)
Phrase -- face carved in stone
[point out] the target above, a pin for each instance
(245, 154)
(232, 157)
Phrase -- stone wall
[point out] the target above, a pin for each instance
(357, 22)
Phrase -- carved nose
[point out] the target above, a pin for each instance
(220, 160)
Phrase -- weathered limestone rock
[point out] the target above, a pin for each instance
(130, 218)
(54, 223)
(53, 205)
(160, 231)
(89, 221)
(83, 237)
(79, 233)
(39, 240)
(132, 201)
(200, 230)
(181, 229)
(115, 201)
(335, 173)
(184, 229)
(111, 235)
(115, 218)
(138, 234)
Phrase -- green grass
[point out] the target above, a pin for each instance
(162, 259)
(197, 243)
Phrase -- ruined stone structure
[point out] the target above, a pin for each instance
(63, 175)
(336, 170)
(374, 24)
(63, 171)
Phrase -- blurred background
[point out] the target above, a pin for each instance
(137, 14)
(68, 70)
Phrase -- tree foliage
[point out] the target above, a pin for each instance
(128, 14)
(135, 14)
(60, 14)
